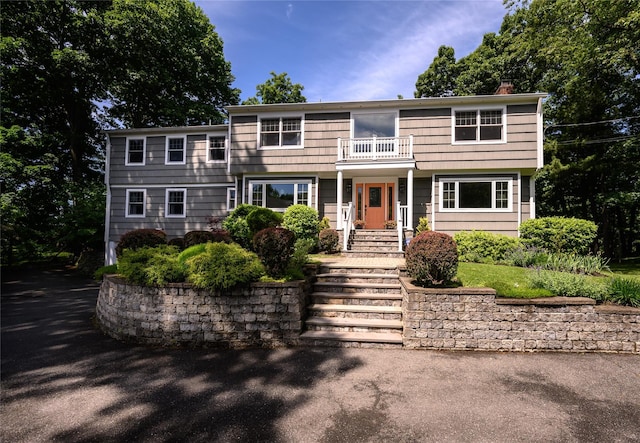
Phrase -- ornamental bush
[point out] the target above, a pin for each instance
(432, 258)
(178, 242)
(484, 247)
(196, 237)
(624, 291)
(260, 218)
(152, 266)
(140, 238)
(302, 220)
(237, 226)
(275, 247)
(569, 285)
(559, 234)
(223, 266)
(328, 241)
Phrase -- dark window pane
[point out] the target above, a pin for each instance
(135, 157)
(490, 132)
(279, 195)
(216, 154)
(175, 156)
(475, 194)
(465, 133)
(375, 197)
(291, 138)
(270, 139)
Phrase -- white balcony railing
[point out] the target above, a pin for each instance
(375, 148)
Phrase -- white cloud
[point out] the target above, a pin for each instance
(289, 10)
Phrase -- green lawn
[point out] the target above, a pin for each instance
(508, 281)
(627, 268)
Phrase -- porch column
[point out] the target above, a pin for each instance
(339, 202)
(410, 199)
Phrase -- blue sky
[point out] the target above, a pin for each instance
(346, 50)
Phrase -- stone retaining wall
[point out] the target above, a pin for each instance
(467, 318)
(264, 314)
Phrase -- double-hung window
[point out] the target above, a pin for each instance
(279, 195)
(217, 149)
(136, 203)
(175, 150)
(175, 203)
(475, 194)
(479, 125)
(281, 132)
(135, 152)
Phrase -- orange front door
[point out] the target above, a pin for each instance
(374, 205)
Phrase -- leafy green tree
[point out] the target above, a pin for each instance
(439, 79)
(277, 89)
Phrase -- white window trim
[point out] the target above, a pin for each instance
(144, 203)
(389, 111)
(226, 147)
(459, 180)
(229, 191)
(503, 108)
(144, 151)
(184, 149)
(166, 203)
(273, 116)
(307, 182)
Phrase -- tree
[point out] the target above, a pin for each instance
(439, 79)
(277, 89)
(69, 70)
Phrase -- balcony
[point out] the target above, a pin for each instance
(375, 148)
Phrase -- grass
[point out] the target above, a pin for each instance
(508, 281)
(628, 267)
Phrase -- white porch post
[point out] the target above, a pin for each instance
(410, 199)
(339, 202)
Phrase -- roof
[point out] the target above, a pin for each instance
(201, 129)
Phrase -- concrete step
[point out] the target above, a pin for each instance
(344, 268)
(354, 322)
(353, 277)
(336, 298)
(360, 295)
(355, 253)
(330, 307)
(348, 287)
(366, 337)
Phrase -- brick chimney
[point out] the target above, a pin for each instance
(506, 87)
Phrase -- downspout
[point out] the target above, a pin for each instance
(107, 216)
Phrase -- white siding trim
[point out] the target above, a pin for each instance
(107, 215)
(173, 185)
(540, 135)
(519, 179)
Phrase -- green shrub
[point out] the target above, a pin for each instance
(196, 237)
(100, 272)
(140, 238)
(191, 252)
(302, 220)
(432, 258)
(423, 225)
(237, 226)
(274, 246)
(559, 234)
(178, 242)
(260, 218)
(299, 258)
(328, 241)
(152, 266)
(223, 266)
(484, 247)
(325, 223)
(569, 285)
(624, 291)
(576, 264)
(526, 257)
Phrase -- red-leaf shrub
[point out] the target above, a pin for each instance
(196, 237)
(178, 242)
(328, 240)
(275, 247)
(140, 238)
(432, 258)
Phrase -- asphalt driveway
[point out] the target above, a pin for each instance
(62, 380)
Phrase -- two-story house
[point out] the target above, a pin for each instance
(464, 162)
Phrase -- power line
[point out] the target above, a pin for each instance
(591, 123)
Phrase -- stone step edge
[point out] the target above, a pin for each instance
(358, 285)
(359, 295)
(355, 275)
(338, 265)
(356, 308)
(369, 337)
(354, 322)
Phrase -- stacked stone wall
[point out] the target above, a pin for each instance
(467, 318)
(264, 314)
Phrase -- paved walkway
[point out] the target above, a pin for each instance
(61, 380)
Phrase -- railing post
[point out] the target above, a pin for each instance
(410, 145)
(399, 225)
(340, 156)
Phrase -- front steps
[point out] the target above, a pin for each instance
(373, 243)
(355, 306)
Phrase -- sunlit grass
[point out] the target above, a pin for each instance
(508, 281)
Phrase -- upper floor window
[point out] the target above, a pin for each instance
(175, 150)
(381, 124)
(175, 203)
(135, 152)
(280, 195)
(475, 194)
(217, 149)
(280, 132)
(479, 125)
(136, 202)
